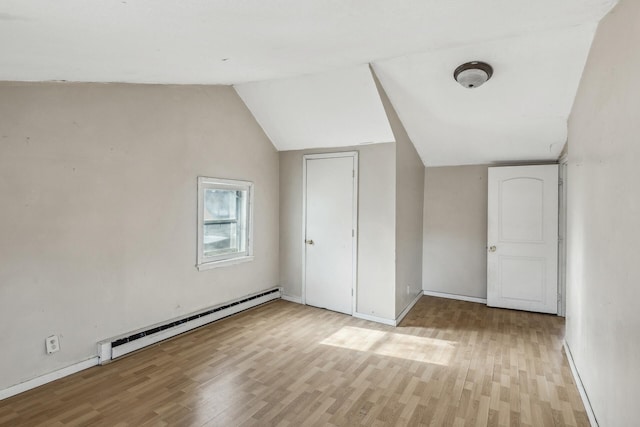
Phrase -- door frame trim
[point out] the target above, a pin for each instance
(354, 221)
(563, 169)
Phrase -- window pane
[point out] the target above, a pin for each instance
(225, 227)
(219, 204)
(220, 239)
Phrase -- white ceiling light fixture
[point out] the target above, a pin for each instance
(473, 74)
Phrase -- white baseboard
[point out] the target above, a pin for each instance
(291, 298)
(408, 308)
(377, 319)
(453, 296)
(583, 393)
(47, 378)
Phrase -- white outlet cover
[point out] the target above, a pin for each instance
(52, 343)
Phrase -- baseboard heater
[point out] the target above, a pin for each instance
(123, 344)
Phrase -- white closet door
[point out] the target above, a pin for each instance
(522, 260)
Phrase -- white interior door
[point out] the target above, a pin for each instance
(330, 230)
(522, 260)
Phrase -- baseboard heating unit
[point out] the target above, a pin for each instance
(123, 344)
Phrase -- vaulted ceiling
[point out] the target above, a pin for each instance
(299, 64)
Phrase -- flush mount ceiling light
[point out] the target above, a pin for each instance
(473, 74)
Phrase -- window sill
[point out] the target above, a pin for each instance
(224, 263)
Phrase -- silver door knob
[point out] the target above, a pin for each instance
(492, 249)
(309, 242)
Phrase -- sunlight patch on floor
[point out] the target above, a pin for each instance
(420, 349)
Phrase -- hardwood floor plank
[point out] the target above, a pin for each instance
(450, 363)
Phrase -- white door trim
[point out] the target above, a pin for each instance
(563, 168)
(354, 279)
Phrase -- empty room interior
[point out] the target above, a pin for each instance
(308, 213)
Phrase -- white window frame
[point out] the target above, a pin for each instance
(204, 262)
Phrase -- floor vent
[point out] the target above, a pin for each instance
(123, 344)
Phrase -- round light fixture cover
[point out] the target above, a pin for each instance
(473, 74)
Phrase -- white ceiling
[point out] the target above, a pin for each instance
(235, 41)
(333, 109)
(538, 49)
(519, 114)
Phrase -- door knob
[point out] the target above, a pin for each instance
(492, 249)
(309, 242)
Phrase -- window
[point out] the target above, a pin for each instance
(224, 222)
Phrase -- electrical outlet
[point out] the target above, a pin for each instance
(408, 289)
(52, 343)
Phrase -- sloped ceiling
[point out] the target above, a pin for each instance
(538, 49)
(332, 109)
(520, 114)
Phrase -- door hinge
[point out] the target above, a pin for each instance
(353, 173)
(351, 291)
(353, 233)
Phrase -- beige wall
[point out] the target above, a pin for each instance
(409, 217)
(409, 210)
(98, 191)
(376, 224)
(603, 242)
(455, 230)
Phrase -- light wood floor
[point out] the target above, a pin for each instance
(449, 363)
